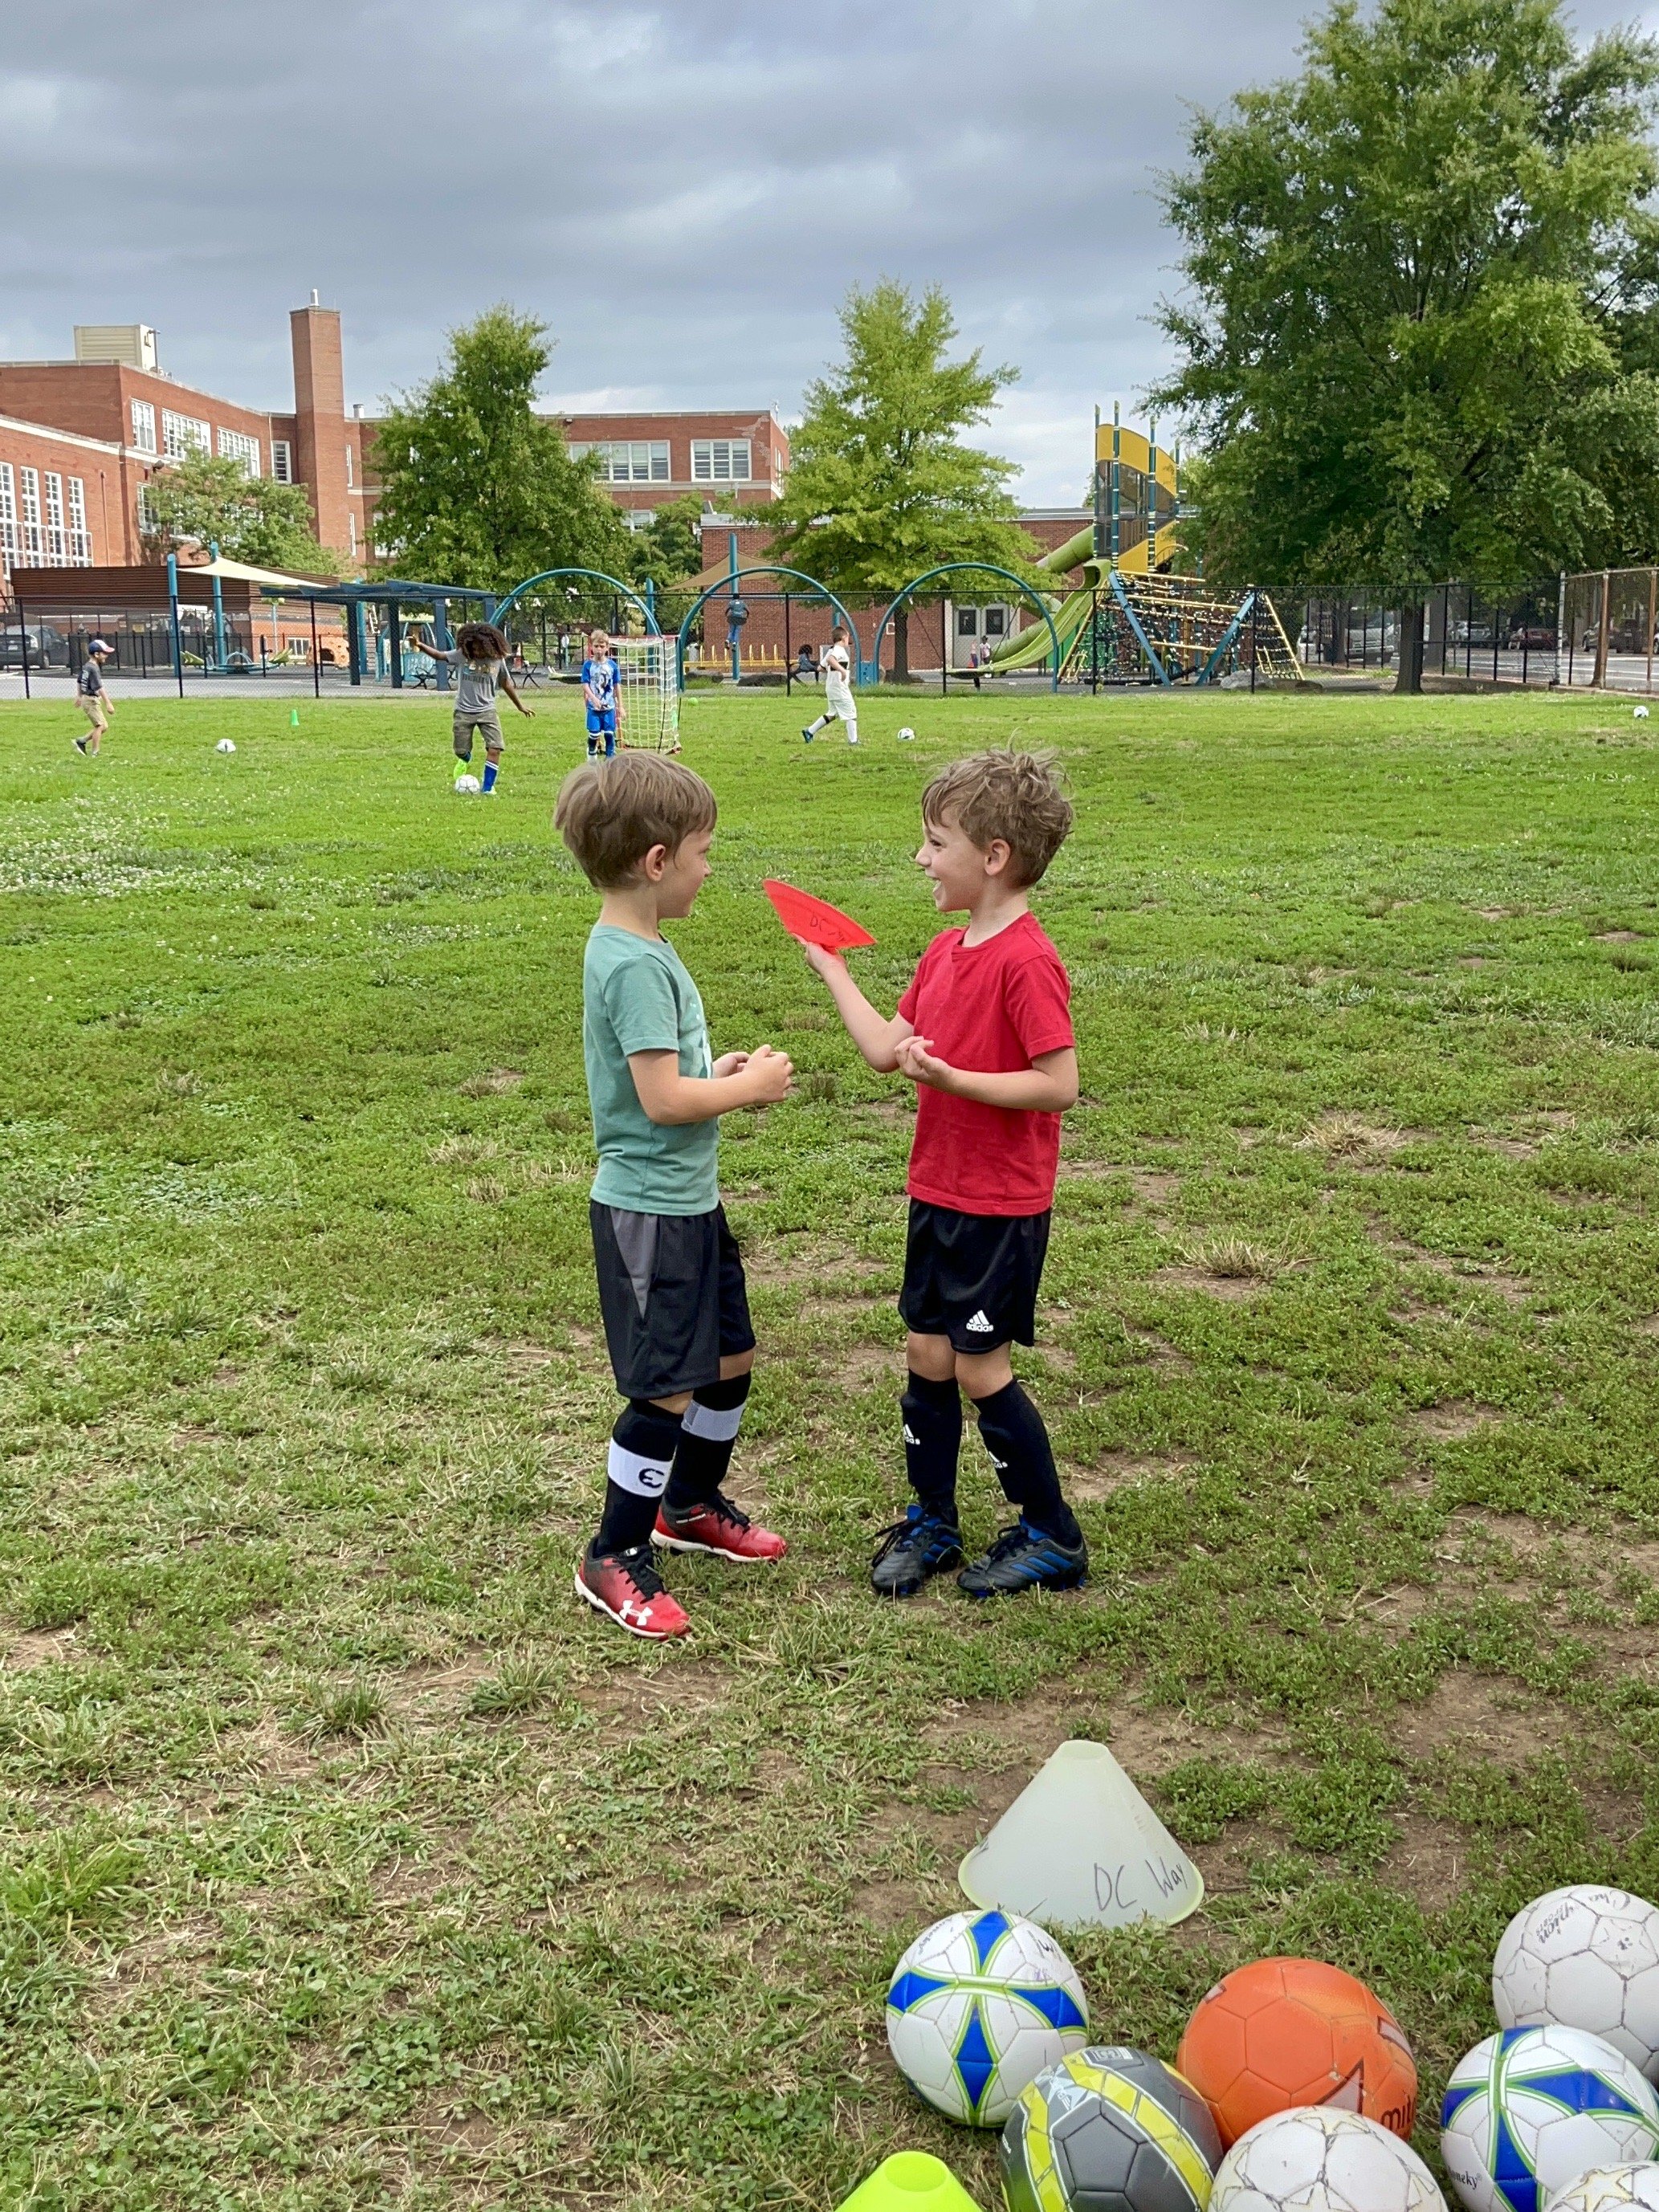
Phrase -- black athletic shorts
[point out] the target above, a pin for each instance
(672, 1295)
(973, 1277)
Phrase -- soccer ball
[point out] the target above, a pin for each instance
(1638, 713)
(1318, 2159)
(1286, 2032)
(907, 735)
(469, 784)
(1110, 2130)
(1584, 1958)
(1531, 2108)
(226, 745)
(1611, 2188)
(978, 2007)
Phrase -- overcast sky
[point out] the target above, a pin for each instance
(683, 193)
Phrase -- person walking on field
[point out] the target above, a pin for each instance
(92, 699)
(839, 704)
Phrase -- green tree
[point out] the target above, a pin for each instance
(476, 487)
(253, 519)
(1419, 331)
(881, 486)
(670, 550)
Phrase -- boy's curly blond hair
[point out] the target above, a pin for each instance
(1016, 796)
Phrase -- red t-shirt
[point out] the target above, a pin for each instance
(993, 1008)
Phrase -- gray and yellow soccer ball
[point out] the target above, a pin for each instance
(1110, 2130)
(1611, 2188)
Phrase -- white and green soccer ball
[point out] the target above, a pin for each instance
(1531, 2109)
(907, 735)
(226, 745)
(1611, 2188)
(1584, 1957)
(978, 2007)
(1321, 2158)
(468, 785)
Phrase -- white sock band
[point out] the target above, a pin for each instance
(631, 1470)
(720, 1424)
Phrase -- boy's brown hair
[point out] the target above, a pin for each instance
(611, 812)
(1003, 793)
(481, 641)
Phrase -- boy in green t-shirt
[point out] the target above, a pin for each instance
(671, 1281)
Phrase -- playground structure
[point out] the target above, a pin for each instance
(1130, 619)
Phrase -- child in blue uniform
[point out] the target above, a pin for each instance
(601, 691)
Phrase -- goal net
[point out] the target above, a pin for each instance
(647, 682)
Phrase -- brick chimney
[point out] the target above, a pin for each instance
(320, 459)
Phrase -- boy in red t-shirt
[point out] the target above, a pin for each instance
(985, 1033)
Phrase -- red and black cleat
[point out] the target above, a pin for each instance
(628, 1587)
(716, 1526)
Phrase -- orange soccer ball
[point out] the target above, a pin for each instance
(1286, 2032)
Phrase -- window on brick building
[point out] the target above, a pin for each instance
(80, 538)
(351, 524)
(143, 425)
(183, 434)
(146, 512)
(720, 460)
(28, 485)
(237, 445)
(9, 541)
(351, 480)
(282, 460)
(623, 460)
(56, 535)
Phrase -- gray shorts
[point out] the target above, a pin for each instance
(488, 725)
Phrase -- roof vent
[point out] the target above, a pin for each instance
(131, 344)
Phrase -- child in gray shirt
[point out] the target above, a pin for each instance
(478, 656)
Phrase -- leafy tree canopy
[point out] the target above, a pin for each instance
(477, 487)
(881, 486)
(670, 550)
(1420, 332)
(253, 519)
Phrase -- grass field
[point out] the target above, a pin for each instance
(346, 1864)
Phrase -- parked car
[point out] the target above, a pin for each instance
(47, 647)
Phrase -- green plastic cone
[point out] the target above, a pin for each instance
(910, 2181)
(294, 718)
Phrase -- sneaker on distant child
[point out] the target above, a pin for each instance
(625, 1586)
(809, 735)
(912, 1552)
(716, 1525)
(1023, 1559)
(79, 744)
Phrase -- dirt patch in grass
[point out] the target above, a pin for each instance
(1509, 1148)
(1454, 1418)
(1428, 1862)
(868, 1363)
(1212, 1285)
(816, 1261)
(37, 1648)
(1513, 1289)
(1479, 1715)
(494, 1083)
(1618, 936)
(1100, 1477)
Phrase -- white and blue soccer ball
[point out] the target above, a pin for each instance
(1611, 2188)
(1638, 713)
(907, 735)
(1531, 2109)
(1584, 1957)
(226, 745)
(1321, 2158)
(978, 2007)
(468, 784)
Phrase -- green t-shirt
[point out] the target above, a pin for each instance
(638, 996)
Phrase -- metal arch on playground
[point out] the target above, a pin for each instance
(729, 583)
(983, 568)
(596, 576)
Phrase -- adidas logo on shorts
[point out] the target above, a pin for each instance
(979, 1325)
(910, 1435)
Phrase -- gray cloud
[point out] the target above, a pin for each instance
(682, 192)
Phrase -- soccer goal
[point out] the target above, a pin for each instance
(647, 679)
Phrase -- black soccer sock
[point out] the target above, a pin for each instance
(709, 1435)
(1011, 1429)
(642, 1446)
(932, 1436)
